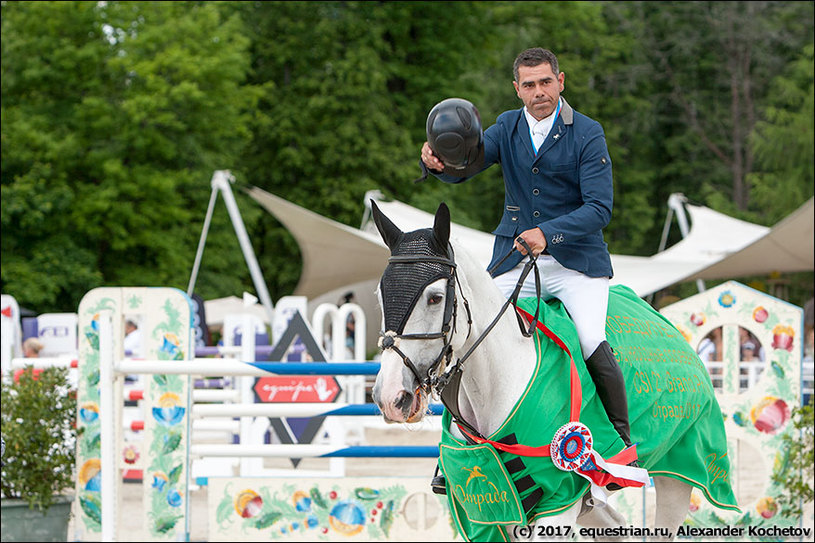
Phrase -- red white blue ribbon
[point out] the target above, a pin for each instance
(571, 450)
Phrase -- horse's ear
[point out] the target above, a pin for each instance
(390, 233)
(441, 226)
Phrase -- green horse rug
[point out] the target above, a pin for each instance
(524, 470)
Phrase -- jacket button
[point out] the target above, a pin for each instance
(535, 170)
(536, 214)
(535, 192)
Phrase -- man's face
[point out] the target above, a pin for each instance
(539, 89)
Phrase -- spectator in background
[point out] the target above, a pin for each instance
(132, 346)
(350, 328)
(748, 351)
(132, 341)
(32, 347)
(745, 337)
(710, 353)
(710, 347)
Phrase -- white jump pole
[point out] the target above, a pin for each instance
(107, 417)
(248, 466)
(356, 384)
(338, 330)
(51, 362)
(323, 311)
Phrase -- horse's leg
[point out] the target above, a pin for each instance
(673, 500)
(552, 528)
(592, 516)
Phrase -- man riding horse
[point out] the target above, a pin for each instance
(559, 194)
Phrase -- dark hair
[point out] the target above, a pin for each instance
(534, 57)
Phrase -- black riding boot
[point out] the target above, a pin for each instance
(608, 379)
(610, 385)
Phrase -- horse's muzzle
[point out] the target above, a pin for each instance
(405, 407)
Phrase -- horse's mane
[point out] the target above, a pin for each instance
(486, 301)
(474, 274)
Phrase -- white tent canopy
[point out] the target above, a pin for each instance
(216, 310)
(787, 247)
(334, 254)
(712, 236)
(717, 246)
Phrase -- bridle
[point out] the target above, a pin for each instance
(438, 384)
(391, 339)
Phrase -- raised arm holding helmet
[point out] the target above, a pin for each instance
(558, 198)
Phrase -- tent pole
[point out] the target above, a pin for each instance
(200, 253)
(221, 180)
(676, 202)
(665, 230)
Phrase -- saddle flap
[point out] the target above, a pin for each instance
(480, 486)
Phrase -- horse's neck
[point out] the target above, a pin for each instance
(498, 371)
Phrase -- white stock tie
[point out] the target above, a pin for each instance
(538, 135)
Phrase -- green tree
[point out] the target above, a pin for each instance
(114, 117)
(116, 114)
(798, 470)
(783, 143)
(346, 87)
(710, 63)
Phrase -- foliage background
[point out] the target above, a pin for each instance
(115, 115)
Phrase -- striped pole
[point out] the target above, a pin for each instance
(209, 425)
(236, 349)
(202, 395)
(285, 410)
(216, 368)
(314, 451)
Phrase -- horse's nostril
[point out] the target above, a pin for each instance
(403, 400)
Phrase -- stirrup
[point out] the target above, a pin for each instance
(438, 484)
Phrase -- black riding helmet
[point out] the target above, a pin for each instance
(454, 134)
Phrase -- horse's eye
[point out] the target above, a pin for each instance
(434, 299)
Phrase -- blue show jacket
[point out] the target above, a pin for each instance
(565, 190)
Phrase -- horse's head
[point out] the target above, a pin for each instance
(417, 294)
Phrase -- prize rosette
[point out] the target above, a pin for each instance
(571, 446)
(571, 450)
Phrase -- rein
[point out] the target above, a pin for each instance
(446, 385)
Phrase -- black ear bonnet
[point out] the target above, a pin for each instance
(403, 282)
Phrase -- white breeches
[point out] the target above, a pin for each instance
(584, 297)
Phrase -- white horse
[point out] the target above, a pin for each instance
(425, 315)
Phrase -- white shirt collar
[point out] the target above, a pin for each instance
(544, 125)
